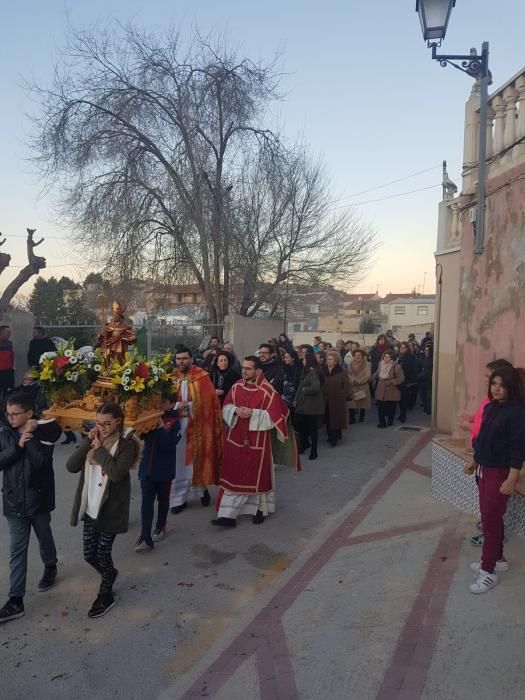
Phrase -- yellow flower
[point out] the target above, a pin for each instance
(139, 384)
(45, 374)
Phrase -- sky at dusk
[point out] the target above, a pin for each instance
(361, 90)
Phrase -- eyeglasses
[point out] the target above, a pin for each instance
(14, 415)
(106, 424)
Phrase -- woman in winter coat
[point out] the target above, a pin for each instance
(359, 376)
(408, 389)
(223, 374)
(389, 376)
(103, 460)
(336, 392)
(293, 371)
(424, 378)
(309, 405)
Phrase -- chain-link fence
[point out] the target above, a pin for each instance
(152, 338)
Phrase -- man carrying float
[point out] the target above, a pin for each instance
(199, 452)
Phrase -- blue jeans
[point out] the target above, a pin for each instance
(19, 532)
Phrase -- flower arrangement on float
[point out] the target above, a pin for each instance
(62, 374)
(140, 379)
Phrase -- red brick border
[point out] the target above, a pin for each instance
(265, 636)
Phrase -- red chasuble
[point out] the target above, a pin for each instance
(247, 461)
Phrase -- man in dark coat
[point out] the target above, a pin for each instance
(38, 346)
(28, 498)
(271, 366)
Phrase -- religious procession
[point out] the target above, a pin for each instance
(186, 429)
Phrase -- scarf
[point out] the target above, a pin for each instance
(384, 369)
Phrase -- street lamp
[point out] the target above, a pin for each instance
(434, 16)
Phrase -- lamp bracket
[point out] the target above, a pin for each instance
(474, 65)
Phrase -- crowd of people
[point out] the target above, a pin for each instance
(226, 422)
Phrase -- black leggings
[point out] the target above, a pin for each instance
(97, 552)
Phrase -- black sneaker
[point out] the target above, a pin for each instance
(11, 611)
(178, 509)
(206, 498)
(102, 605)
(48, 579)
(258, 518)
(224, 522)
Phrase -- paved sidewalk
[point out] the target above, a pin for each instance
(380, 609)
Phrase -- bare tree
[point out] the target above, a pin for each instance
(35, 264)
(152, 142)
(296, 235)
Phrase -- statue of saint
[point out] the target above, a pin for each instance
(116, 336)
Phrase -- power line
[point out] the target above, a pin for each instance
(386, 184)
(391, 196)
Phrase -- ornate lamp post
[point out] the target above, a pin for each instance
(434, 16)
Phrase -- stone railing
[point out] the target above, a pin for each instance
(505, 131)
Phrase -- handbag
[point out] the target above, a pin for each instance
(359, 395)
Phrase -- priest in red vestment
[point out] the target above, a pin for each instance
(251, 410)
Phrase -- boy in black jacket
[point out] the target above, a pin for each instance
(156, 472)
(26, 461)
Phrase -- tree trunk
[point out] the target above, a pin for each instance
(33, 268)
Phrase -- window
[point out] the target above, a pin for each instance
(399, 310)
(422, 310)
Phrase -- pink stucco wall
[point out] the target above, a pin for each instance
(491, 318)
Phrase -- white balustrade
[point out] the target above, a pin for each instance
(505, 131)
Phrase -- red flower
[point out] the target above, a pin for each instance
(142, 371)
(60, 362)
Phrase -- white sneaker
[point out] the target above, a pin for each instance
(158, 535)
(501, 565)
(484, 582)
(143, 546)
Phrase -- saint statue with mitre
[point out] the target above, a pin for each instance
(116, 335)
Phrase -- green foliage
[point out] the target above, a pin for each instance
(367, 325)
(59, 301)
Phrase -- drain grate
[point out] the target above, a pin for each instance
(412, 428)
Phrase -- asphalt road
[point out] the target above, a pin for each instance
(176, 601)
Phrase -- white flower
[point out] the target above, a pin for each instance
(127, 372)
(91, 355)
(68, 353)
(72, 359)
(133, 383)
(126, 387)
(69, 377)
(53, 379)
(47, 356)
(97, 368)
(125, 380)
(75, 376)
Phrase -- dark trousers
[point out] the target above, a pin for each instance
(386, 411)
(19, 532)
(152, 490)
(407, 401)
(98, 552)
(306, 426)
(412, 396)
(425, 393)
(352, 414)
(492, 505)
